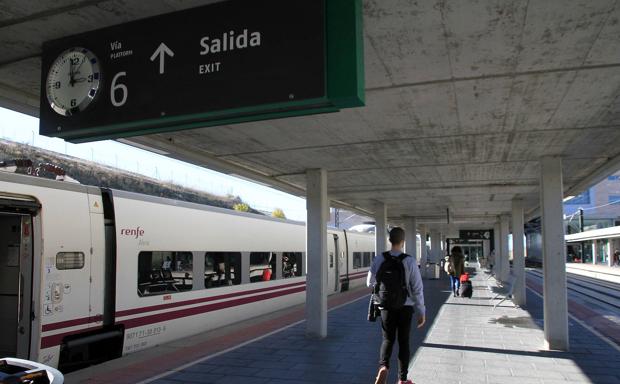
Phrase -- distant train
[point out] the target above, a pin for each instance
(89, 274)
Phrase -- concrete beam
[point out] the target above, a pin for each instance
(51, 12)
(18, 100)
(316, 245)
(487, 187)
(554, 255)
(608, 168)
(210, 161)
(600, 174)
(474, 220)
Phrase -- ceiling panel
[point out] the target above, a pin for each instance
(463, 99)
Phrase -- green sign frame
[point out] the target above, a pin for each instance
(344, 76)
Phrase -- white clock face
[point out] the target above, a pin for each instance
(73, 81)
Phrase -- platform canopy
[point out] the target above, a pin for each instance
(463, 98)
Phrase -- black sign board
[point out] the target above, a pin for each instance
(479, 234)
(237, 58)
(462, 241)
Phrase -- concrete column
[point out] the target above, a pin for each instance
(554, 254)
(504, 271)
(496, 251)
(518, 257)
(380, 228)
(316, 246)
(411, 242)
(486, 246)
(423, 248)
(609, 254)
(435, 246)
(435, 253)
(423, 251)
(444, 247)
(594, 250)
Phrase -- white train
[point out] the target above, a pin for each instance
(89, 274)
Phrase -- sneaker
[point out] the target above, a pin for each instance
(381, 375)
(405, 382)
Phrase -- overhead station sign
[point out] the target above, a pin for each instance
(223, 63)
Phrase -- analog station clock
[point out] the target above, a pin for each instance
(73, 81)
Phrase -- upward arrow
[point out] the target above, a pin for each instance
(162, 51)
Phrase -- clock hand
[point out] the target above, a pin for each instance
(73, 79)
(71, 74)
(79, 66)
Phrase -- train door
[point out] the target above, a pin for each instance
(97, 261)
(344, 264)
(16, 266)
(342, 267)
(333, 251)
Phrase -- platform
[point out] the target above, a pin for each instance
(465, 341)
(601, 272)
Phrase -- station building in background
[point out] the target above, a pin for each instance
(592, 225)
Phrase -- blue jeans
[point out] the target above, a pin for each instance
(455, 283)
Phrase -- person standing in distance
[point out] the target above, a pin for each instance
(458, 268)
(397, 322)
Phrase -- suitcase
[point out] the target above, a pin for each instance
(466, 289)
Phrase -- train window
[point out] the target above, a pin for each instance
(291, 264)
(161, 272)
(366, 259)
(69, 260)
(222, 269)
(357, 259)
(262, 266)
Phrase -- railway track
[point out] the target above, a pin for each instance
(600, 291)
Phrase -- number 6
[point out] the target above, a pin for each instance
(115, 87)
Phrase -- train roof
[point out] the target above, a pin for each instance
(67, 186)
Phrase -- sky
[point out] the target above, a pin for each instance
(22, 128)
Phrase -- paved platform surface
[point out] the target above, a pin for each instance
(471, 342)
(465, 341)
(601, 272)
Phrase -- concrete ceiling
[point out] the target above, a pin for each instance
(463, 99)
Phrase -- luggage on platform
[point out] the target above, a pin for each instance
(466, 289)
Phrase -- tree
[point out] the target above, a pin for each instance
(241, 207)
(279, 213)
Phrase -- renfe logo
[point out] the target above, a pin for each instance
(137, 232)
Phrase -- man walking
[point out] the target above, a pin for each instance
(397, 309)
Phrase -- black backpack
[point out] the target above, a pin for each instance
(390, 291)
